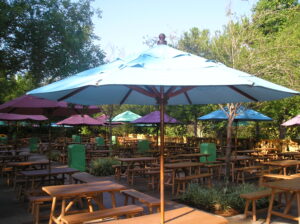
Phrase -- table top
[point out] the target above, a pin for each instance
(192, 155)
(289, 153)
(247, 151)
(29, 163)
(175, 216)
(235, 158)
(45, 172)
(80, 189)
(136, 159)
(99, 151)
(182, 165)
(283, 163)
(286, 185)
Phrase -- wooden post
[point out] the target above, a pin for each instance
(162, 146)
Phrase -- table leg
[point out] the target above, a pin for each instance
(289, 203)
(284, 171)
(298, 206)
(113, 199)
(52, 210)
(270, 207)
(173, 181)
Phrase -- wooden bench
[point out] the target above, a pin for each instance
(153, 177)
(128, 210)
(34, 204)
(276, 177)
(252, 197)
(182, 181)
(83, 177)
(148, 200)
(255, 172)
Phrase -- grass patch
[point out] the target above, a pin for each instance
(103, 166)
(220, 198)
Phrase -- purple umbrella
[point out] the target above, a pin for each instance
(33, 105)
(292, 122)
(21, 117)
(154, 118)
(78, 119)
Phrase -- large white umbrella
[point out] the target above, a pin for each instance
(162, 75)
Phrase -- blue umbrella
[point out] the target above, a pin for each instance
(159, 76)
(126, 116)
(242, 114)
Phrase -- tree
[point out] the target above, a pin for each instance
(46, 40)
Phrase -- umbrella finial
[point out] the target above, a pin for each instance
(162, 40)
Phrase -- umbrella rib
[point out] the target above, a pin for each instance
(243, 93)
(126, 96)
(72, 93)
(142, 91)
(188, 98)
(182, 90)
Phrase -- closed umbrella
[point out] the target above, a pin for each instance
(159, 76)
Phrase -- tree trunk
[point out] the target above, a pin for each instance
(196, 127)
(228, 147)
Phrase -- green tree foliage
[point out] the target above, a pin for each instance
(46, 40)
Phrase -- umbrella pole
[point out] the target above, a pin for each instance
(162, 144)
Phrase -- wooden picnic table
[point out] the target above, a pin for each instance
(92, 190)
(194, 157)
(235, 160)
(185, 166)
(290, 186)
(290, 155)
(10, 158)
(247, 152)
(131, 163)
(32, 175)
(181, 215)
(284, 164)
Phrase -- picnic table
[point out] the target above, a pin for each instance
(194, 157)
(141, 162)
(182, 166)
(10, 158)
(176, 216)
(73, 192)
(284, 164)
(290, 155)
(33, 175)
(235, 162)
(290, 186)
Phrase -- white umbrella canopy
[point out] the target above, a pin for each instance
(162, 75)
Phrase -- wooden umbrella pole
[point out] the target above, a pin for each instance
(162, 145)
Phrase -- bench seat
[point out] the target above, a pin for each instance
(128, 210)
(182, 181)
(149, 201)
(252, 197)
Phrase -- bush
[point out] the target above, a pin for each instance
(220, 198)
(103, 166)
(54, 155)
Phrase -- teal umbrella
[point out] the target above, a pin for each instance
(126, 116)
(162, 76)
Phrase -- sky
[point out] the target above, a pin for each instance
(125, 24)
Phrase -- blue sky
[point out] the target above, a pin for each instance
(124, 23)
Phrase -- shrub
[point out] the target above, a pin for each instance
(220, 198)
(54, 155)
(103, 166)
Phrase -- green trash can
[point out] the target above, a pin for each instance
(3, 140)
(76, 138)
(99, 141)
(143, 146)
(76, 157)
(34, 144)
(208, 148)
